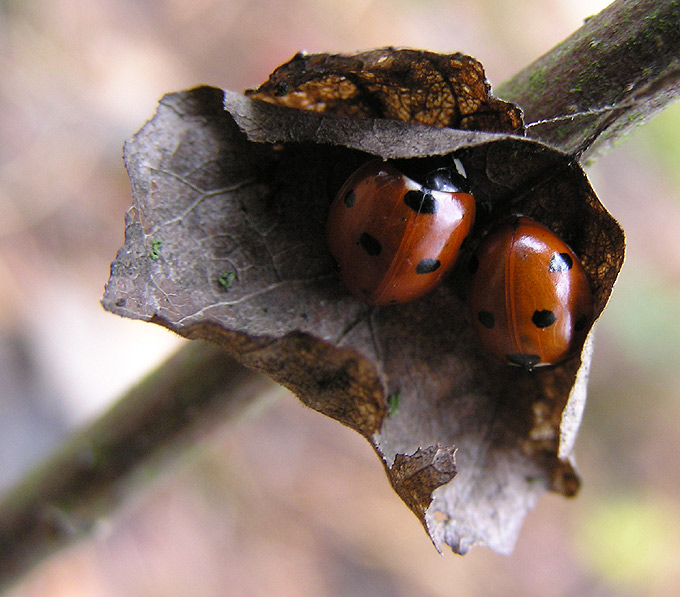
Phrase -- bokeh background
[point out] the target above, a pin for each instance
(287, 502)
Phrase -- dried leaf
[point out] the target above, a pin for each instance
(242, 194)
(416, 86)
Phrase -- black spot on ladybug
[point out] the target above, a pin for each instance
(580, 323)
(473, 264)
(427, 266)
(543, 319)
(421, 202)
(282, 88)
(528, 361)
(560, 262)
(487, 319)
(370, 244)
(350, 199)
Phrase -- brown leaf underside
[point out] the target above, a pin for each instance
(210, 206)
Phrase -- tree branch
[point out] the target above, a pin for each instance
(196, 389)
(611, 75)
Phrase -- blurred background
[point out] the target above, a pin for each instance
(254, 509)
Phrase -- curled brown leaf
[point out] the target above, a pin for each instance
(442, 90)
(228, 188)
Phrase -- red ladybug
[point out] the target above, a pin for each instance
(393, 238)
(530, 296)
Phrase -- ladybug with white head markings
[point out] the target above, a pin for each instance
(393, 238)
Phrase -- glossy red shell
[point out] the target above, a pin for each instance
(392, 238)
(530, 297)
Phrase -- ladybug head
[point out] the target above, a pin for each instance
(452, 178)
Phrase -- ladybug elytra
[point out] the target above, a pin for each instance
(394, 238)
(530, 297)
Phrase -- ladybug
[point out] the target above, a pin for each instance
(530, 297)
(394, 238)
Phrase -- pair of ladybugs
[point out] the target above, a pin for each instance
(394, 239)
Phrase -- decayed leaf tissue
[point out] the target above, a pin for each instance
(226, 241)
